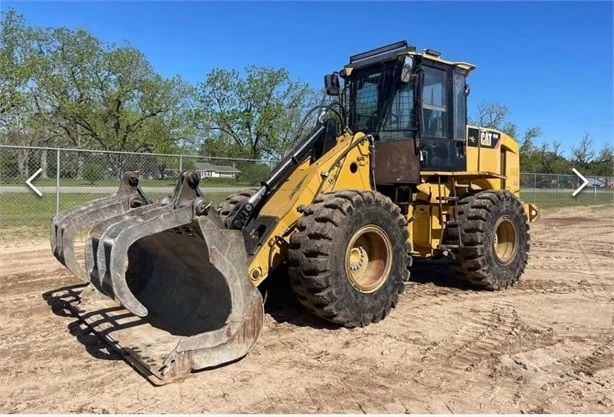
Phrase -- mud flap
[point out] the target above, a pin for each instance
(169, 287)
(66, 224)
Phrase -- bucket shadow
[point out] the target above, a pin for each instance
(60, 300)
(280, 303)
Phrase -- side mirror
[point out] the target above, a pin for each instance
(331, 83)
(408, 63)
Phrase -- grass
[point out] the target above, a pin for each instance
(550, 199)
(25, 215)
(114, 182)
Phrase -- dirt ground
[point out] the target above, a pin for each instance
(545, 345)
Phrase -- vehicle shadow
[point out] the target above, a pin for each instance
(283, 306)
(438, 272)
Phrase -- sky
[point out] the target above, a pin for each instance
(550, 63)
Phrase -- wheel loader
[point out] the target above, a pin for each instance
(390, 172)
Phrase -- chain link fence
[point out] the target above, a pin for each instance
(69, 177)
(558, 189)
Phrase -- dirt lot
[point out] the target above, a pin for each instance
(545, 345)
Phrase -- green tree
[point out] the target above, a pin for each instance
(529, 157)
(603, 165)
(252, 116)
(551, 159)
(109, 97)
(495, 116)
(15, 60)
(21, 57)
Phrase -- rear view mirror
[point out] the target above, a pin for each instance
(331, 83)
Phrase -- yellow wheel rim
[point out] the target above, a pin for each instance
(368, 259)
(505, 243)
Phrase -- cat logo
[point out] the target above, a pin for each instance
(486, 138)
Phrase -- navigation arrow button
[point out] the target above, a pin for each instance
(29, 182)
(582, 185)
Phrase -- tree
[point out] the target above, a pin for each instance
(20, 59)
(603, 165)
(490, 115)
(15, 60)
(495, 116)
(582, 155)
(109, 97)
(551, 158)
(253, 116)
(529, 158)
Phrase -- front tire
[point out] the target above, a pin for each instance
(349, 258)
(228, 205)
(495, 235)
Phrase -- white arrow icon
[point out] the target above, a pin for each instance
(583, 184)
(29, 182)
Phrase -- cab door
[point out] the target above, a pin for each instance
(396, 158)
(444, 118)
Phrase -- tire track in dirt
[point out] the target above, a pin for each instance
(23, 284)
(49, 364)
(19, 260)
(485, 334)
(599, 359)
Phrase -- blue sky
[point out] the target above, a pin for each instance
(550, 62)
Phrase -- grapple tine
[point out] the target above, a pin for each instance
(66, 224)
(102, 236)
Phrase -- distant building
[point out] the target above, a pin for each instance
(207, 170)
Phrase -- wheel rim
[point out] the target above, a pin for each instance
(368, 259)
(505, 242)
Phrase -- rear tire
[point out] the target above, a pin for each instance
(349, 258)
(232, 200)
(496, 240)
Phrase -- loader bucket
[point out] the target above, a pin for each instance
(66, 224)
(169, 286)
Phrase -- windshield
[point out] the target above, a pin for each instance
(377, 93)
(369, 88)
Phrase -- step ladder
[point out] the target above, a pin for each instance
(452, 216)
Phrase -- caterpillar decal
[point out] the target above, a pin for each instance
(486, 138)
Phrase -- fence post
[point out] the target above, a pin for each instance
(556, 198)
(57, 181)
(180, 164)
(534, 186)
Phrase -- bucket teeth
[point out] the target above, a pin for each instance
(66, 224)
(169, 286)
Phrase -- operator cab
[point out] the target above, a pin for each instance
(413, 104)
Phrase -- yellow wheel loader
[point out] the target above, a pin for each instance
(390, 172)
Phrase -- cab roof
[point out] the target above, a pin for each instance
(394, 50)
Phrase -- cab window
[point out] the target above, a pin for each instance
(434, 103)
(398, 123)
